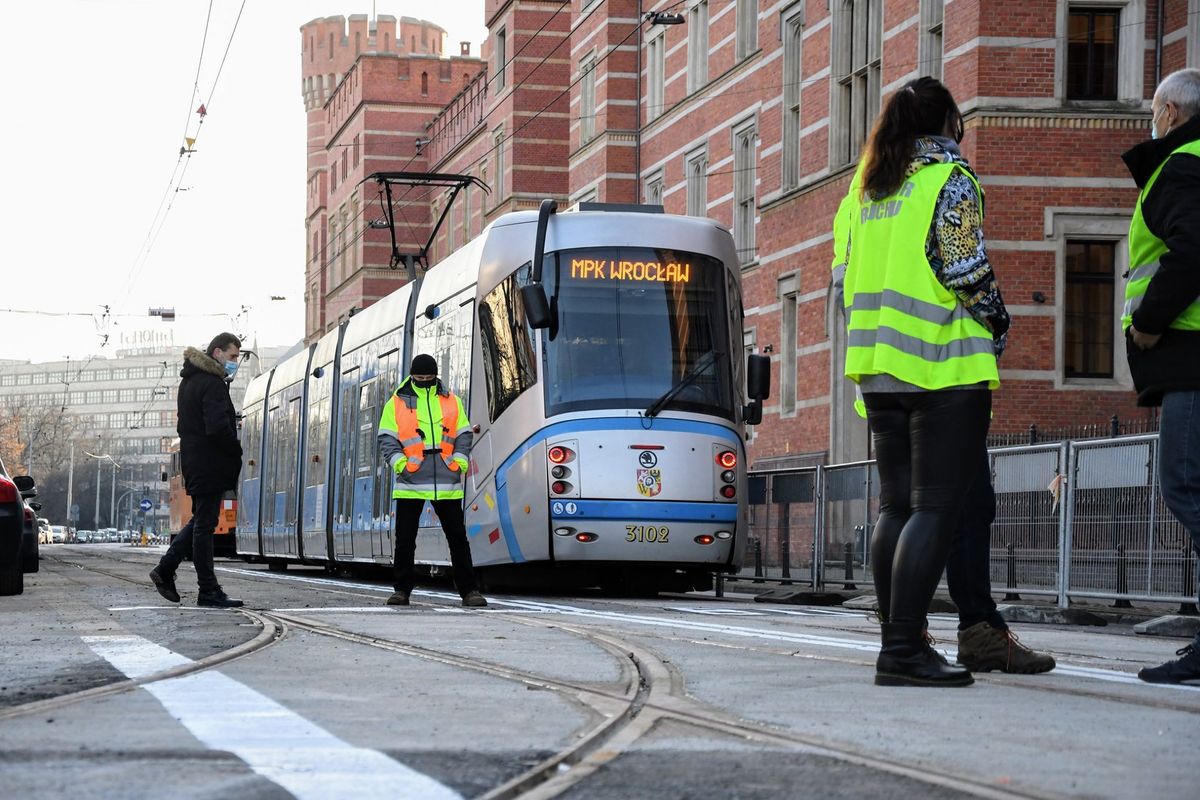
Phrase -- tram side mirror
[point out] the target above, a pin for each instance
(758, 377)
(537, 307)
(25, 486)
(758, 387)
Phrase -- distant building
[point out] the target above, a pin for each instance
(125, 406)
(754, 114)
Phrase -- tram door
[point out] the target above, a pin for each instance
(364, 469)
(345, 441)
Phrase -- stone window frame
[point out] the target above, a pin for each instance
(853, 108)
(1093, 224)
(695, 172)
(1131, 50)
(697, 44)
(653, 188)
(787, 290)
(746, 40)
(587, 97)
(791, 34)
(656, 67)
(932, 38)
(745, 190)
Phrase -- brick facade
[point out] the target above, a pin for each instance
(595, 104)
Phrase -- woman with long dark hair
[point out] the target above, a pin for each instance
(926, 324)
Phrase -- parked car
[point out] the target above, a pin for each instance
(43, 530)
(58, 534)
(13, 529)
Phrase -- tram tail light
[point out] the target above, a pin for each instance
(705, 538)
(586, 537)
(727, 459)
(728, 491)
(560, 455)
(560, 487)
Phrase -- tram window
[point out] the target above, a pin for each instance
(634, 322)
(509, 360)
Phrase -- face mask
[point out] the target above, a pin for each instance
(429, 384)
(1154, 124)
(231, 368)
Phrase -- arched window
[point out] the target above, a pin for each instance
(424, 83)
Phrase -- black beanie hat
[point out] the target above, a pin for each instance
(423, 365)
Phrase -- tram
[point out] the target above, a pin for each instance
(599, 356)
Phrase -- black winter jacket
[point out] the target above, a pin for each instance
(1172, 213)
(209, 452)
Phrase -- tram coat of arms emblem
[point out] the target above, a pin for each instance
(649, 482)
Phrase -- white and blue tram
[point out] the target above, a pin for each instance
(605, 389)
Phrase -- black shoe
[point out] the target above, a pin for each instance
(907, 659)
(217, 599)
(165, 586)
(474, 600)
(1184, 669)
(398, 599)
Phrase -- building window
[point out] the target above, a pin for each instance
(498, 178)
(587, 99)
(933, 14)
(1089, 309)
(654, 188)
(747, 28)
(109, 396)
(744, 206)
(787, 346)
(1092, 50)
(125, 396)
(501, 57)
(655, 76)
(858, 47)
(696, 172)
(424, 83)
(793, 34)
(697, 72)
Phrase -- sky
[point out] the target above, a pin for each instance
(98, 95)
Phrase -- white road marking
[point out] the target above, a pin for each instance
(274, 741)
(1095, 673)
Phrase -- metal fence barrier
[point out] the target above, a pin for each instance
(1073, 519)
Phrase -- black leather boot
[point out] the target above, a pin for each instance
(907, 659)
(217, 599)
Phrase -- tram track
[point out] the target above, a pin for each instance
(652, 692)
(269, 633)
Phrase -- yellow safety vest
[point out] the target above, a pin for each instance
(902, 321)
(1145, 250)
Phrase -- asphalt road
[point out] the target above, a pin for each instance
(318, 690)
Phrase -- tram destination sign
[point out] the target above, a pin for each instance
(611, 269)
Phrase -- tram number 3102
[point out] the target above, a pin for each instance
(656, 534)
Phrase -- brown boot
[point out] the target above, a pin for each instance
(982, 648)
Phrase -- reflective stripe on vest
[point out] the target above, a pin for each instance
(411, 440)
(1145, 250)
(902, 322)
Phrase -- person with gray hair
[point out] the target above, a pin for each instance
(1162, 308)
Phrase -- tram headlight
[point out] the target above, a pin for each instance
(724, 534)
(727, 459)
(563, 531)
(728, 476)
(560, 471)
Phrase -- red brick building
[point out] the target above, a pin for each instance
(753, 113)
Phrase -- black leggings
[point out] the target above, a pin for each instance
(928, 447)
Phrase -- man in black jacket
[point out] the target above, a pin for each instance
(1162, 308)
(210, 459)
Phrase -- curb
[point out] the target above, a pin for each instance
(1170, 625)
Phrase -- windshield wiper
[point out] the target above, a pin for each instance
(707, 360)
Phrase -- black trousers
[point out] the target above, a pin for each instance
(196, 538)
(968, 567)
(928, 448)
(450, 514)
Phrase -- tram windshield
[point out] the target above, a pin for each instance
(631, 323)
